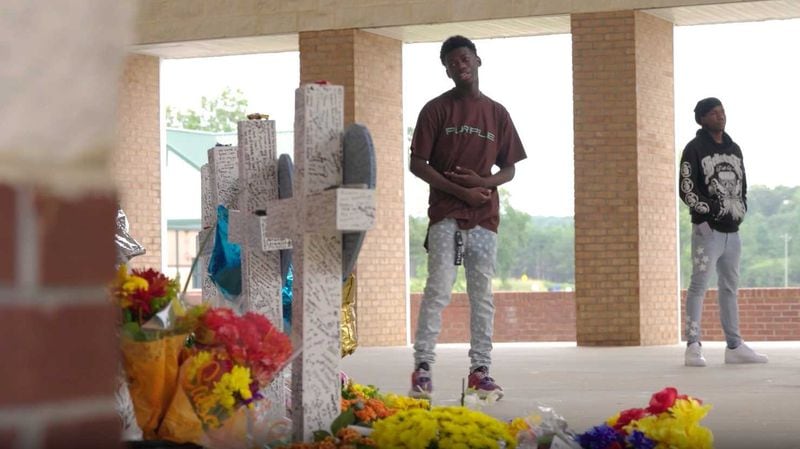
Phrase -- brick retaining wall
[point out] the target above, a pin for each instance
(767, 314)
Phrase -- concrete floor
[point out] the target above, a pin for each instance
(754, 406)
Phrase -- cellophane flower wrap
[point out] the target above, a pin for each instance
(150, 345)
(442, 427)
(670, 421)
(231, 360)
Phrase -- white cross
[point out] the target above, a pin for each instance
(311, 223)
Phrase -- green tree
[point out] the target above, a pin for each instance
(418, 257)
(513, 240)
(770, 230)
(218, 114)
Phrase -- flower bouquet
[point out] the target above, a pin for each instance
(669, 421)
(151, 341)
(363, 405)
(231, 359)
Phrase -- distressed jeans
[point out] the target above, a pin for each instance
(712, 249)
(480, 251)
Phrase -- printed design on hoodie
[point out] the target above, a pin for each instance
(723, 176)
(687, 185)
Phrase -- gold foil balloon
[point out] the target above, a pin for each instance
(347, 326)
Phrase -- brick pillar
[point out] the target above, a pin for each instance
(57, 328)
(625, 207)
(370, 69)
(136, 162)
(58, 332)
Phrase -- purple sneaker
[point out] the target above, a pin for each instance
(484, 385)
(421, 382)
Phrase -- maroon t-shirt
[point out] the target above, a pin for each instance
(474, 133)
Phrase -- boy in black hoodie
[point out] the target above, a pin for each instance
(713, 184)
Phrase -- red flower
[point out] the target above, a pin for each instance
(662, 400)
(249, 340)
(626, 416)
(157, 282)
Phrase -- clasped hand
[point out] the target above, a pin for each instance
(475, 194)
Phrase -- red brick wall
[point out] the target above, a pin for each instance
(518, 317)
(765, 315)
(369, 68)
(57, 329)
(136, 162)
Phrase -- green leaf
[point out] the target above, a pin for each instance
(320, 435)
(134, 331)
(344, 419)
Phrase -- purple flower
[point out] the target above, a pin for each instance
(639, 441)
(601, 437)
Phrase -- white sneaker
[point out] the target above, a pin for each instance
(694, 355)
(744, 354)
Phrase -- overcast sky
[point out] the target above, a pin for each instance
(752, 67)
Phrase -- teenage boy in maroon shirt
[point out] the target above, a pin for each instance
(460, 136)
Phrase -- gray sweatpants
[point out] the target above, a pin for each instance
(722, 250)
(480, 251)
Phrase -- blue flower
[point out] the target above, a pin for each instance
(638, 440)
(600, 437)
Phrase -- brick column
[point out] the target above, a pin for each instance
(136, 161)
(625, 207)
(369, 68)
(58, 329)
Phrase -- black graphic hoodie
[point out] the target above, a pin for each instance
(712, 182)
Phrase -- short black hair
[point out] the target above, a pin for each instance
(454, 42)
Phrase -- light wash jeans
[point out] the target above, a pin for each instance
(480, 251)
(722, 250)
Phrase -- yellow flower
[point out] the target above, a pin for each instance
(517, 425)
(134, 283)
(236, 382)
(689, 411)
(448, 427)
(397, 402)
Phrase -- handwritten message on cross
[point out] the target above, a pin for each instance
(311, 223)
(314, 220)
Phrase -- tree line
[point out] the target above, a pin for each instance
(543, 248)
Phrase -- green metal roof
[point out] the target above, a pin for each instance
(192, 146)
(184, 224)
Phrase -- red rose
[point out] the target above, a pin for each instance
(626, 416)
(663, 400)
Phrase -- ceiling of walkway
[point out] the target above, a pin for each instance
(527, 26)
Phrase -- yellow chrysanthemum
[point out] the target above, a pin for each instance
(236, 382)
(689, 411)
(367, 391)
(449, 427)
(397, 402)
